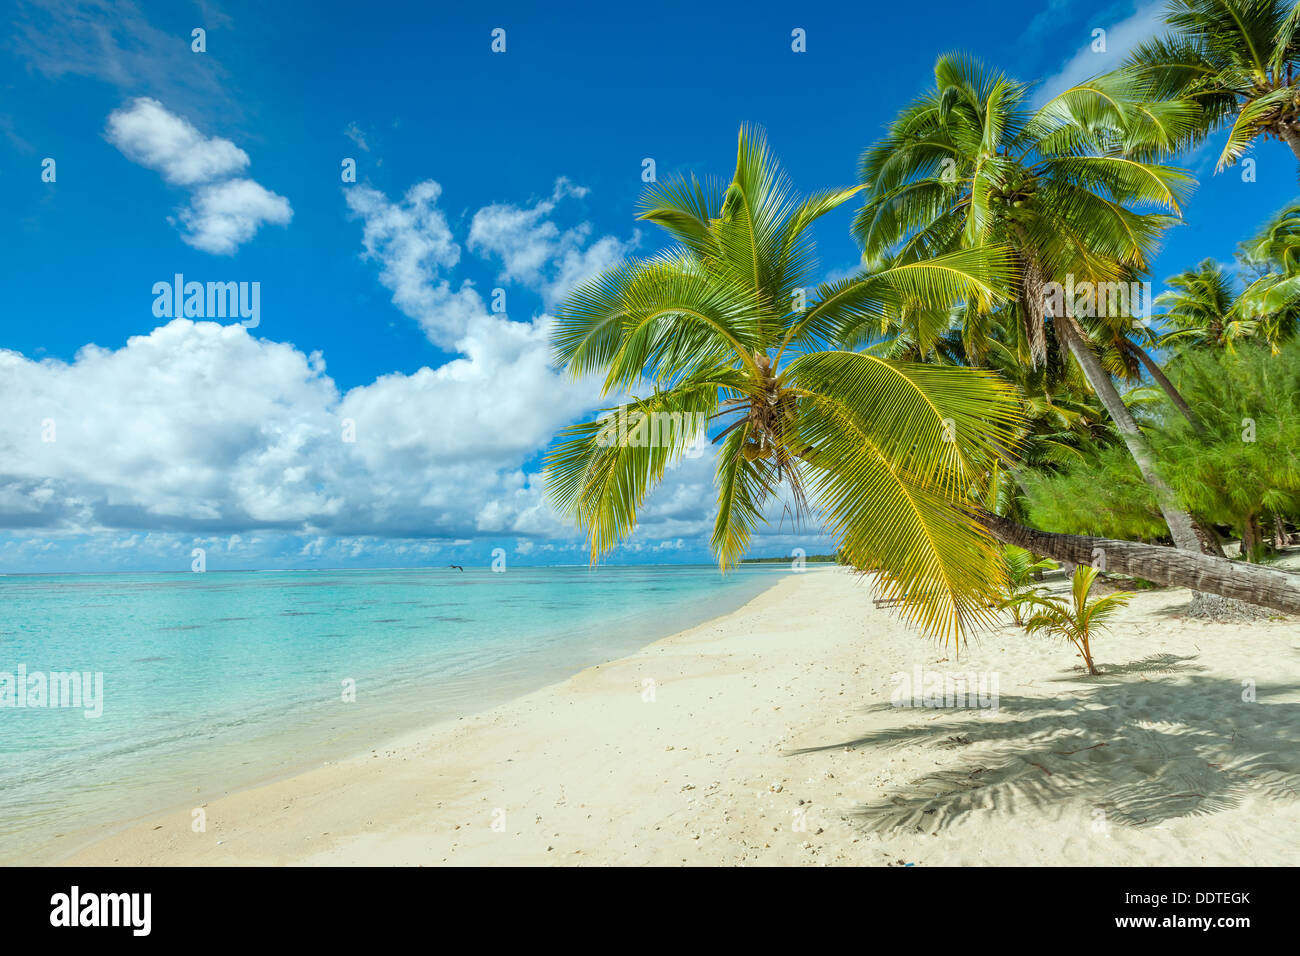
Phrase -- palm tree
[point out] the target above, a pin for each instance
(1077, 620)
(1023, 569)
(1201, 306)
(1277, 247)
(725, 327)
(970, 163)
(1238, 60)
(1273, 297)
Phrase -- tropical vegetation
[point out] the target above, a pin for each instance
(723, 325)
(1077, 620)
(1238, 61)
(974, 389)
(1239, 470)
(1024, 570)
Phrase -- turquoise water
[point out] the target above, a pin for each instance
(214, 681)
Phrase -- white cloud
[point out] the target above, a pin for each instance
(413, 245)
(535, 252)
(223, 216)
(148, 134)
(1146, 21)
(223, 213)
(202, 427)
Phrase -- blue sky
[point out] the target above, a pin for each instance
(475, 171)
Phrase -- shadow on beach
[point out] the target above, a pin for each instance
(1140, 749)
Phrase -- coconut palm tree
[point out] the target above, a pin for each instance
(971, 163)
(1077, 620)
(1273, 296)
(1023, 570)
(1201, 307)
(1277, 247)
(726, 326)
(1238, 60)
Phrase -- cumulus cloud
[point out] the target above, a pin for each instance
(223, 216)
(535, 252)
(200, 427)
(200, 432)
(223, 213)
(413, 244)
(148, 134)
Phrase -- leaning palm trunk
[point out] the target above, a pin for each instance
(1168, 387)
(1252, 583)
(1184, 530)
(1178, 520)
(1210, 543)
(1033, 303)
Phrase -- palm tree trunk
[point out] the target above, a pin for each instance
(1033, 301)
(1292, 137)
(1251, 538)
(1087, 657)
(1172, 567)
(1209, 538)
(1178, 520)
(1163, 381)
(1210, 543)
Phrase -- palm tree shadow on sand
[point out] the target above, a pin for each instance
(1143, 751)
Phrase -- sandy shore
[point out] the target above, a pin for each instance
(769, 737)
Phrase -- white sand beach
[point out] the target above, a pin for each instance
(769, 738)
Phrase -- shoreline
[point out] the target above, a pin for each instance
(771, 740)
(74, 841)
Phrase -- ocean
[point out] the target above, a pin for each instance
(209, 682)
